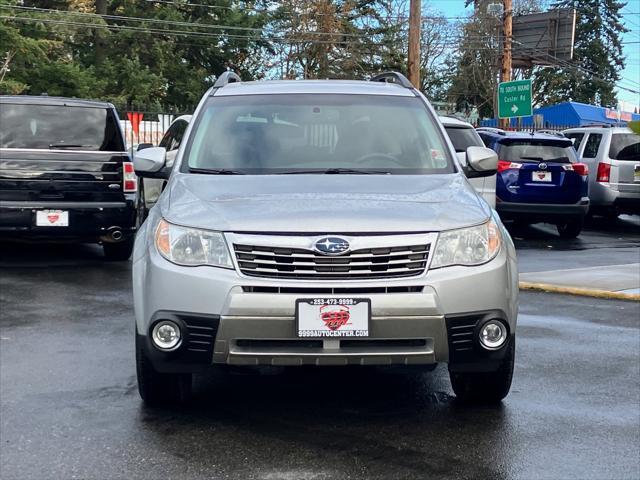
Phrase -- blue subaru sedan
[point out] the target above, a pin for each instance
(539, 179)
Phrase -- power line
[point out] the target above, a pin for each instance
(292, 12)
(289, 39)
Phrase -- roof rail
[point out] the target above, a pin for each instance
(499, 131)
(392, 77)
(225, 78)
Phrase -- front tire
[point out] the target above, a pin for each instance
(485, 387)
(570, 228)
(120, 251)
(158, 389)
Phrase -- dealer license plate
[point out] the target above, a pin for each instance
(52, 218)
(333, 317)
(541, 176)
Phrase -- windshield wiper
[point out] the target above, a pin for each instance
(538, 159)
(337, 171)
(215, 171)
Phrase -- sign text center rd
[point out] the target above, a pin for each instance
(514, 99)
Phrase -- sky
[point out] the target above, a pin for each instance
(630, 76)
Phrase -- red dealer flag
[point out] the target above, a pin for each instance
(135, 118)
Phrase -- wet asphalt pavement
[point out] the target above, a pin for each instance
(70, 409)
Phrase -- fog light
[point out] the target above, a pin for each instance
(166, 335)
(493, 334)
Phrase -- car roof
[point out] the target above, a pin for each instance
(509, 137)
(598, 130)
(57, 101)
(275, 87)
(454, 122)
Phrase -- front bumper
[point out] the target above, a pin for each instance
(254, 325)
(88, 221)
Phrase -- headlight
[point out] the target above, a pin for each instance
(191, 247)
(467, 246)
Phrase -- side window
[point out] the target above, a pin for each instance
(577, 139)
(180, 128)
(592, 145)
(486, 139)
(167, 140)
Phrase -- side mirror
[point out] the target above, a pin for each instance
(150, 162)
(142, 146)
(481, 162)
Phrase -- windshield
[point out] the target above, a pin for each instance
(463, 138)
(625, 146)
(320, 133)
(59, 127)
(532, 151)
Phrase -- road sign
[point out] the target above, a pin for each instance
(514, 99)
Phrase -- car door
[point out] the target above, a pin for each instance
(589, 149)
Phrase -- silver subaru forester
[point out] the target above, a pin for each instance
(321, 223)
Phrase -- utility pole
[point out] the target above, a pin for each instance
(415, 18)
(99, 35)
(507, 35)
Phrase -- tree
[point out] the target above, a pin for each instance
(151, 53)
(598, 58)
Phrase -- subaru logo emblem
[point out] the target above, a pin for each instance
(542, 166)
(331, 246)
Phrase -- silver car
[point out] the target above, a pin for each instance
(463, 136)
(613, 157)
(321, 223)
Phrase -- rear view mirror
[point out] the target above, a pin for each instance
(481, 162)
(150, 162)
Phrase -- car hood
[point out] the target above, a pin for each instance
(323, 203)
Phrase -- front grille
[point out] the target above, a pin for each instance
(276, 262)
(332, 290)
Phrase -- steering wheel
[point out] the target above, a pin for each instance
(384, 156)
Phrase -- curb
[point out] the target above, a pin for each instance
(585, 292)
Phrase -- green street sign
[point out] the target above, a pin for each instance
(514, 99)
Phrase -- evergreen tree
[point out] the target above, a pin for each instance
(597, 56)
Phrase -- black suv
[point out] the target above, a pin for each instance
(65, 173)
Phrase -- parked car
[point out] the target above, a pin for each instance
(463, 136)
(65, 173)
(613, 157)
(321, 223)
(151, 188)
(539, 179)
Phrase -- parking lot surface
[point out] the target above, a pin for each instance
(70, 409)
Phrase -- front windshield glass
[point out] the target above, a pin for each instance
(320, 133)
